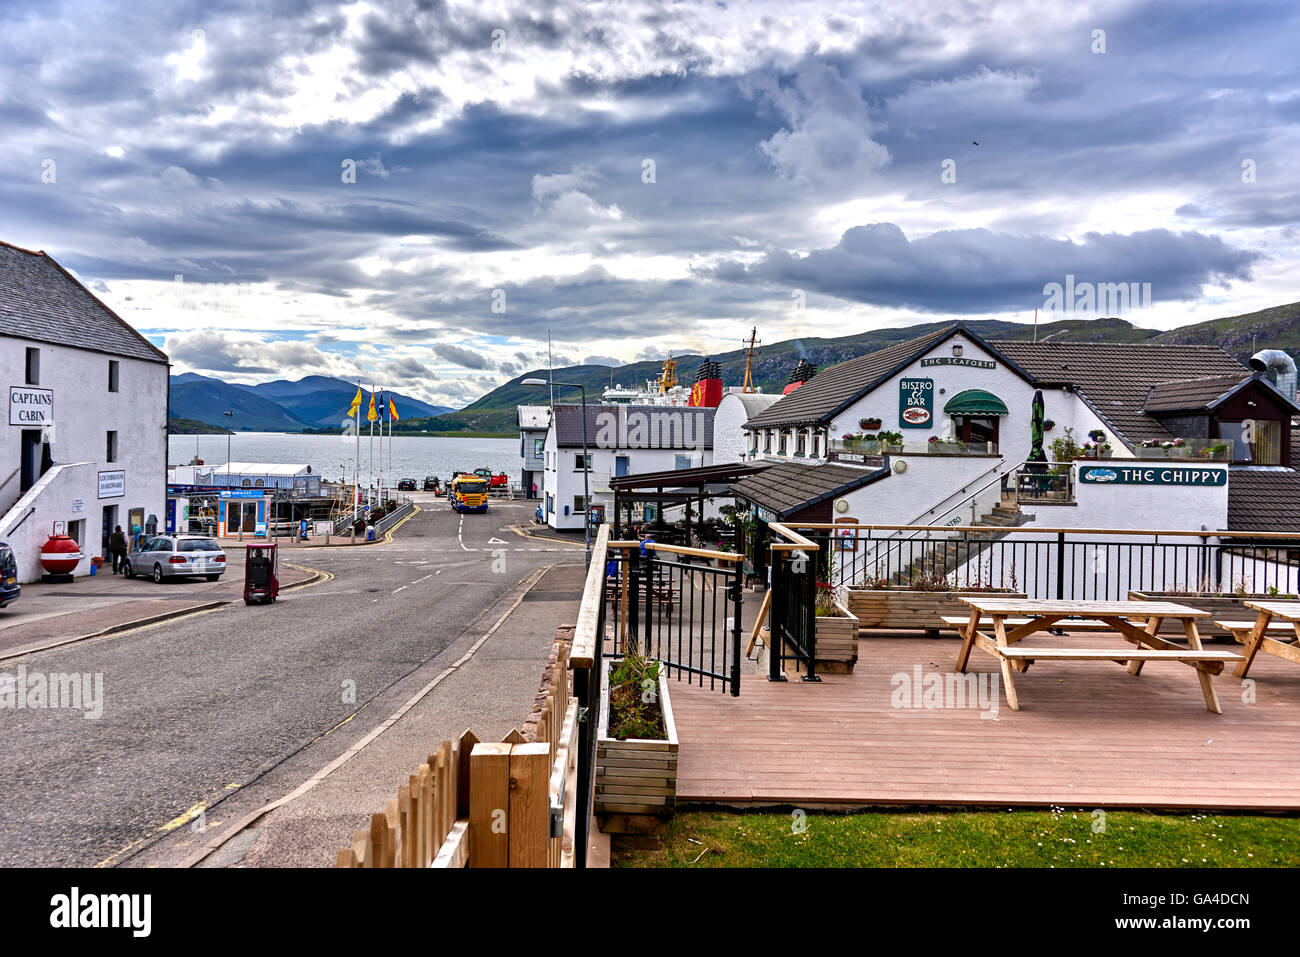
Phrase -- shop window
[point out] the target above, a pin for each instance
(1257, 441)
(579, 504)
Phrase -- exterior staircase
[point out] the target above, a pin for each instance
(944, 556)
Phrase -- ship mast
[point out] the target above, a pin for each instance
(749, 362)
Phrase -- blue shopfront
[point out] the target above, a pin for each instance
(242, 511)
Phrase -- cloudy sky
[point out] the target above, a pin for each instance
(416, 192)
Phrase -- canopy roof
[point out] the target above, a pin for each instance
(975, 402)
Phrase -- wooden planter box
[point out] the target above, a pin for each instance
(636, 778)
(892, 609)
(837, 643)
(1224, 607)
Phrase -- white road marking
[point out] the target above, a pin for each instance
(426, 577)
(396, 590)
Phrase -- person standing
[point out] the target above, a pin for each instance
(117, 548)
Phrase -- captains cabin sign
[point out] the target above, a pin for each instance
(28, 406)
(1127, 475)
(915, 403)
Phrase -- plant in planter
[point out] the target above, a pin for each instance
(1097, 435)
(869, 425)
(1217, 452)
(837, 633)
(636, 745)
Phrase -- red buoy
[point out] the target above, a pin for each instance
(60, 555)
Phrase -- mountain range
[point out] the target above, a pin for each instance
(321, 401)
(279, 406)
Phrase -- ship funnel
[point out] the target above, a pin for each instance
(1283, 367)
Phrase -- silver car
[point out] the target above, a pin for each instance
(175, 556)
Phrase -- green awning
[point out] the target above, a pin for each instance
(975, 402)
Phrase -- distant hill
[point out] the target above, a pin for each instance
(192, 427)
(1241, 336)
(282, 405)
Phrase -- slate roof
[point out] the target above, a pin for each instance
(665, 426)
(1193, 395)
(1263, 500)
(41, 301)
(789, 487)
(840, 385)
(1114, 378)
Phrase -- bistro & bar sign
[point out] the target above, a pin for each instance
(1142, 475)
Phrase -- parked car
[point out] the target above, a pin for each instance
(177, 556)
(9, 587)
(431, 483)
(406, 485)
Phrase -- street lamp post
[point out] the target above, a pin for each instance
(586, 461)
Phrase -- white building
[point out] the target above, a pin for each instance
(730, 441)
(86, 446)
(533, 421)
(621, 440)
(956, 413)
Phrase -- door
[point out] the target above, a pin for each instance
(621, 463)
(109, 523)
(31, 459)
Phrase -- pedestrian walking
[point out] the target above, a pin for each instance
(117, 548)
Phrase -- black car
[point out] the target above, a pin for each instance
(9, 587)
(406, 485)
(431, 483)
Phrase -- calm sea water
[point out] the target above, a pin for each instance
(328, 455)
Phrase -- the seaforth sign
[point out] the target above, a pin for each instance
(112, 484)
(956, 361)
(28, 406)
(1142, 475)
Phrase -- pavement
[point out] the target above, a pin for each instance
(489, 692)
(48, 615)
(211, 716)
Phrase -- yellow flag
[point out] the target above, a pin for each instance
(392, 409)
(356, 402)
(372, 415)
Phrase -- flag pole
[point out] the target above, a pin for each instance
(356, 469)
(380, 487)
(370, 455)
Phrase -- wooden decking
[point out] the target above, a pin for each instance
(1088, 735)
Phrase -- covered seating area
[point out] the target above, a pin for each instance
(685, 487)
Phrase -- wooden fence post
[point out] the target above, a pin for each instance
(489, 805)
(530, 776)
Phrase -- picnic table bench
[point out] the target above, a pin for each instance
(1257, 639)
(1017, 618)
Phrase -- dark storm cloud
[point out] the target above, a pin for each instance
(977, 271)
(461, 356)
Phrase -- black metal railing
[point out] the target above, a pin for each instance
(793, 613)
(683, 613)
(1077, 565)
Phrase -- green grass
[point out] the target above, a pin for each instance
(1056, 838)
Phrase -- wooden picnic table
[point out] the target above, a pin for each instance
(1258, 641)
(1017, 618)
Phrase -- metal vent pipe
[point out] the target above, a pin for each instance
(1282, 365)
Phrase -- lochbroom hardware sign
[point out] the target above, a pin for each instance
(1131, 475)
(28, 406)
(112, 484)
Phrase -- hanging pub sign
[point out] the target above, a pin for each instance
(958, 361)
(1145, 475)
(915, 403)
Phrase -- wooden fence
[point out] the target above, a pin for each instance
(480, 804)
